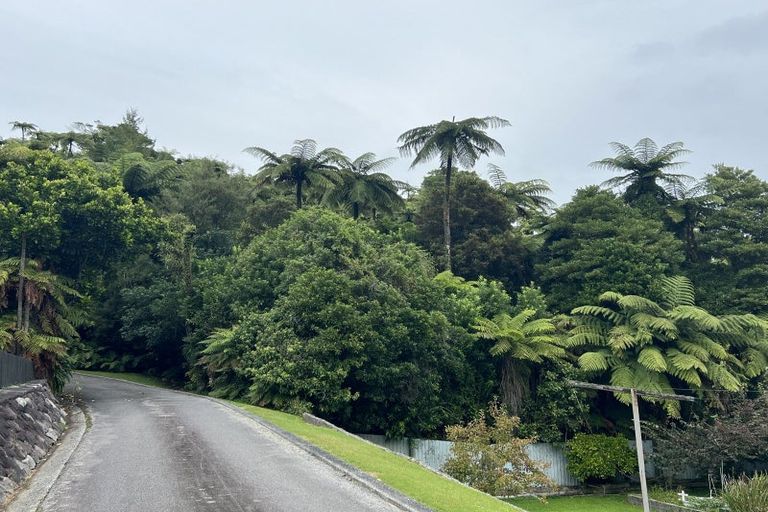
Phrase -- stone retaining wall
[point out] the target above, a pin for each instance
(31, 421)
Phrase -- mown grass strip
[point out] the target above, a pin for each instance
(614, 503)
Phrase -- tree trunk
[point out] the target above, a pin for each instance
(514, 386)
(298, 195)
(355, 210)
(447, 213)
(20, 289)
(27, 307)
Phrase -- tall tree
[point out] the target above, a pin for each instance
(453, 142)
(689, 208)
(645, 170)
(304, 165)
(733, 243)
(364, 186)
(527, 197)
(597, 242)
(672, 343)
(485, 241)
(24, 127)
(521, 340)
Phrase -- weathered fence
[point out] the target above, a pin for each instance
(15, 369)
(435, 453)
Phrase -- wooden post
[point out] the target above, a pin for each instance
(636, 418)
(639, 447)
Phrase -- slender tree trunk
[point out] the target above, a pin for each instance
(20, 289)
(514, 386)
(27, 307)
(447, 213)
(298, 195)
(373, 213)
(355, 210)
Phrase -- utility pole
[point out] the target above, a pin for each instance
(634, 393)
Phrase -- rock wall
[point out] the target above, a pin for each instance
(31, 421)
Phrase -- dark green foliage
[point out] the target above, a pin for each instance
(645, 170)
(347, 324)
(600, 458)
(597, 243)
(485, 243)
(454, 143)
(733, 439)
(554, 411)
(213, 200)
(184, 268)
(734, 244)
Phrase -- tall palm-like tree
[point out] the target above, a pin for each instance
(521, 340)
(304, 165)
(645, 169)
(688, 208)
(665, 345)
(48, 322)
(24, 127)
(364, 186)
(453, 142)
(146, 178)
(527, 197)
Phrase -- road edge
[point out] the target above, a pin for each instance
(33, 492)
(393, 496)
(355, 474)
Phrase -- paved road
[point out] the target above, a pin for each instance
(156, 450)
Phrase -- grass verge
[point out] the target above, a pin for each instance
(617, 503)
(426, 487)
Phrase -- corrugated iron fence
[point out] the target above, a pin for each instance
(435, 453)
(15, 369)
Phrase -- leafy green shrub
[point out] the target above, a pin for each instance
(599, 458)
(490, 458)
(747, 494)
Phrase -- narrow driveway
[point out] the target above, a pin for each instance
(155, 450)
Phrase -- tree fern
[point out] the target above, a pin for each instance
(655, 344)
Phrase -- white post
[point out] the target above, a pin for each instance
(639, 447)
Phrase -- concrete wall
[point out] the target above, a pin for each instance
(31, 421)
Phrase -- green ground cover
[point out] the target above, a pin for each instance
(612, 503)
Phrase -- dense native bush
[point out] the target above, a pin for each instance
(338, 319)
(732, 440)
(488, 456)
(600, 458)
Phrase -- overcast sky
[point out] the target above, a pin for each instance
(212, 77)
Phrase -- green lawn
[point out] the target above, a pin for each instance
(130, 377)
(427, 487)
(617, 503)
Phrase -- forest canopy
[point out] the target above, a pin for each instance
(317, 282)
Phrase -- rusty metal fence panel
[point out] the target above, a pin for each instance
(15, 369)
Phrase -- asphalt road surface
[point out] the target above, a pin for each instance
(155, 450)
